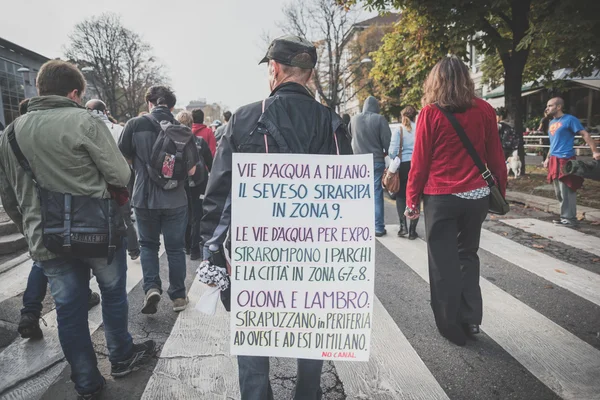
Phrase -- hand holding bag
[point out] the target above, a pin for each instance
(391, 180)
(498, 204)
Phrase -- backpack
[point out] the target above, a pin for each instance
(508, 136)
(168, 164)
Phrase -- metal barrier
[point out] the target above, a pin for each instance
(540, 137)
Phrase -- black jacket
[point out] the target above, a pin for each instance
(293, 122)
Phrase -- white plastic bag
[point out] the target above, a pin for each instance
(208, 301)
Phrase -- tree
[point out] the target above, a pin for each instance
(406, 56)
(118, 62)
(327, 25)
(366, 43)
(510, 28)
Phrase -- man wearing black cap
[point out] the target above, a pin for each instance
(292, 122)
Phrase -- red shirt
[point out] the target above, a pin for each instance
(556, 170)
(441, 165)
(203, 131)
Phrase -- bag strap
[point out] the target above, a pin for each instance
(265, 136)
(401, 143)
(483, 170)
(14, 145)
(337, 146)
(154, 121)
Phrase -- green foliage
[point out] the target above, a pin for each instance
(366, 43)
(405, 58)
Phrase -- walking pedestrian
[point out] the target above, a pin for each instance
(70, 151)
(455, 195)
(310, 128)
(371, 134)
(221, 129)
(203, 131)
(35, 292)
(401, 146)
(98, 109)
(543, 128)
(159, 198)
(563, 129)
(185, 118)
(195, 186)
(508, 137)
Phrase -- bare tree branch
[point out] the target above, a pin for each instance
(123, 67)
(327, 25)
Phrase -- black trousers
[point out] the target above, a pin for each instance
(401, 195)
(192, 232)
(453, 229)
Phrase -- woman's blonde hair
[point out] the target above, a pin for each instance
(185, 117)
(408, 115)
(449, 84)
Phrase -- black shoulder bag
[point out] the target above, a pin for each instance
(498, 204)
(75, 226)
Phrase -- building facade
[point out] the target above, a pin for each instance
(350, 103)
(18, 73)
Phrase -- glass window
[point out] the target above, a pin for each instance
(2, 65)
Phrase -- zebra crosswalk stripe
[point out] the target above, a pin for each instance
(24, 358)
(582, 282)
(570, 237)
(560, 360)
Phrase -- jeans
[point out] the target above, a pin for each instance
(378, 168)
(69, 283)
(172, 224)
(195, 212)
(36, 291)
(255, 384)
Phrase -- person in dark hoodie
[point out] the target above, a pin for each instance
(371, 134)
(291, 121)
(158, 210)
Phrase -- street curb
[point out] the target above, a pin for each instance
(551, 205)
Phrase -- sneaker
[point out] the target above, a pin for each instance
(180, 304)
(94, 300)
(150, 302)
(134, 254)
(380, 234)
(142, 352)
(92, 396)
(564, 222)
(29, 327)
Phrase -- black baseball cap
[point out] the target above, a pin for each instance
(286, 49)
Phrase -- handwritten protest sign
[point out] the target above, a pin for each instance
(303, 256)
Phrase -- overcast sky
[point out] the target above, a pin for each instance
(211, 48)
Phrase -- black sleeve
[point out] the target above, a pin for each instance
(126, 140)
(206, 155)
(344, 141)
(191, 154)
(217, 199)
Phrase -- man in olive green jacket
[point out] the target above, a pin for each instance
(71, 151)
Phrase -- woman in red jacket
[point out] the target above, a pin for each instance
(455, 196)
